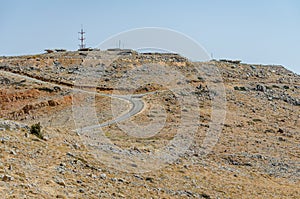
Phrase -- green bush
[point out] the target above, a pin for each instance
(242, 88)
(35, 129)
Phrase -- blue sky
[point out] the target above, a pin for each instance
(266, 32)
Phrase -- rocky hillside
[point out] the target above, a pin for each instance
(257, 154)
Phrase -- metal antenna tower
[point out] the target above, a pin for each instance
(81, 38)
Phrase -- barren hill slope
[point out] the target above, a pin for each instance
(257, 154)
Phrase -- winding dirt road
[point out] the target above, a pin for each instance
(136, 102)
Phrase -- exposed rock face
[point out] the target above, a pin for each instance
(257, 153)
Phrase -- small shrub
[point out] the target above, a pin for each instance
(286, 87)
(242, 88)
(257, 120)
(35, 129)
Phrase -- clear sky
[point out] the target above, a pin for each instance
(256, 31)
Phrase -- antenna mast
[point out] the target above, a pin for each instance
(82, 38)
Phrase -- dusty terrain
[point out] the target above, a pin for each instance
(257, 154)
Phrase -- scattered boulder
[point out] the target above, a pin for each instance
(59, 181)
(103, 176)
(261, 88)
(27, 108)
(7, 178)
(280, 130)
(269, 131)
(5, 81)
(149, 179)
(53, 103)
